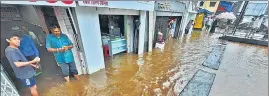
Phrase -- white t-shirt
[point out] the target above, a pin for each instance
(32, 34)
(209, 22)
(205, 20)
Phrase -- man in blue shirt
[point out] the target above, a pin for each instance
(172, 25)
(20, 65)
(27, 45)
(61, 46)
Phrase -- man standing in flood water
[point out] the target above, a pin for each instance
(26, 31)
(27, 45)
(20, 65)
(61, 46)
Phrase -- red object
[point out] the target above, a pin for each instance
(67, 1)
(221, 8)
(106, 50)
(51, 1)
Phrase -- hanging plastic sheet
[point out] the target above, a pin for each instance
(206, 12)
(225, 6)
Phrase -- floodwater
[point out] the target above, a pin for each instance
(159, 72)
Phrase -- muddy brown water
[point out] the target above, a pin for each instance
(128, 74)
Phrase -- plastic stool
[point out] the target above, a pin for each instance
(106, 50)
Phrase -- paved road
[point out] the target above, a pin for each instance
(243, 72)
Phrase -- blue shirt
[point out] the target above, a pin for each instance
(173, 24)
(58, 42)
(15, 55)
(28, 47)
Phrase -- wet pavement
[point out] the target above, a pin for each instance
(213, 60)
(199, 85)
(159, 72)
(243, 71)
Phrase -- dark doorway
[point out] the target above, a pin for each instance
(161, 25)
(106, 21)
(178, 24)
(136, 33)
(50, 17)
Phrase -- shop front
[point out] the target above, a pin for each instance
(38, 17)
(109, 28)
(169, 18)
(190, 16)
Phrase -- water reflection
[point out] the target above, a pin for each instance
(129, 74)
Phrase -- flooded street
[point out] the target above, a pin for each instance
(159, 72)
(202, 48)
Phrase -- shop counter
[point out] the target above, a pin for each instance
(117, 46)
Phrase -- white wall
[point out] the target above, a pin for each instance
(129, 28)
(184, 22)
(89, 27)
(142, 31)
(168, 13)
(151, 30)
(88, 23)
(29, 14)
(81, 53)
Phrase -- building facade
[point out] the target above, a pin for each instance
(83, 23)
(131, 24)
(209, 5)
(165, 11)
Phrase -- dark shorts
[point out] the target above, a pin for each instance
(68, 67)
(28, 82)
(186, 31)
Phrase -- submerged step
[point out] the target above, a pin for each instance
(214, 58)
(199, 85)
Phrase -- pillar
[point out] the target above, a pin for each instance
(151, 30)
(142, 30)
(89, 28)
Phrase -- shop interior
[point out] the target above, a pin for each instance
(112, 32)
(114, 38)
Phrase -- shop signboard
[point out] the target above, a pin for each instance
(134, 5)
(94, 3)
(163, 5)
(68, 3)
(175, 6)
